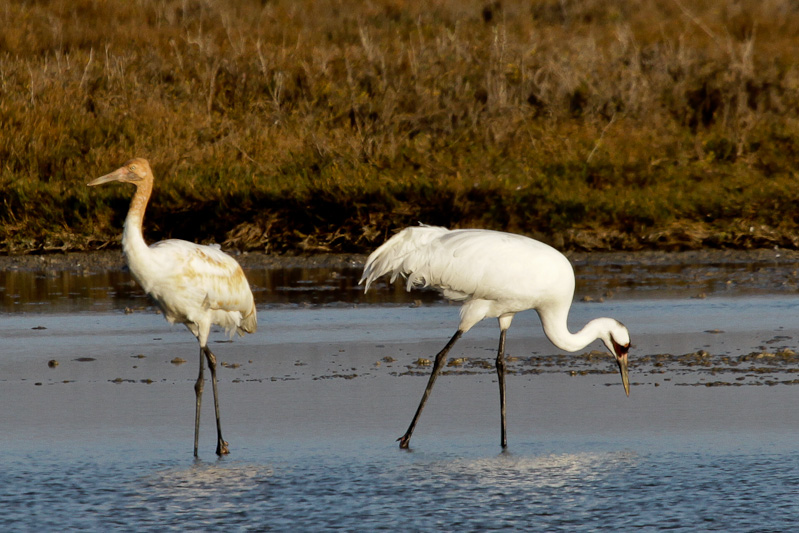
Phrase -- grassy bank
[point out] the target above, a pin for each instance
(306, 125)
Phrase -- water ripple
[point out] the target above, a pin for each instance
(552, 491)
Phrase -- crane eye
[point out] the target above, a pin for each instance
(621, 349)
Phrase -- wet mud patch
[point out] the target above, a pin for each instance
(702, 368)
(699, 368)
(696, 368)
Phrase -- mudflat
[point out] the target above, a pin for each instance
(699, 320)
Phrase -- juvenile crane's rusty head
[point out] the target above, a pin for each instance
(134, 171)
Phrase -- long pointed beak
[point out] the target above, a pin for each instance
(119, 174)
(625, 380)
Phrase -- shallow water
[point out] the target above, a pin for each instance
(312, 405)
(464, 489)
(76, 287)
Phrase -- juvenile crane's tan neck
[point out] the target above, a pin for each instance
(132, 236)
(139, 203)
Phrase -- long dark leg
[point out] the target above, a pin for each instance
(441, 358)
(501, 377)
(198, 393)
(221, 445)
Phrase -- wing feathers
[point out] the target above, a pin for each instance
(469, 263)
(188, 280)
(390, 257)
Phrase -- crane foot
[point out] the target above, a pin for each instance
(222, 448)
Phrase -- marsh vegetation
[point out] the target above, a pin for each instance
(323, 125)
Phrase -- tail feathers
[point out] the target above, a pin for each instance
(249, 322)
(390, 257)
(234, 322)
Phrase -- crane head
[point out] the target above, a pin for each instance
(132, 171)
(617, 339)
(620, 351)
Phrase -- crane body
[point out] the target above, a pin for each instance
(496, 275)
(192, 284)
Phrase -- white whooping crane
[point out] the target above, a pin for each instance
(496, 275)
(194, 285)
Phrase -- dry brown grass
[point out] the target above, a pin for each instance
(323, 125)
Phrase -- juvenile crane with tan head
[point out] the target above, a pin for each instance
(192, 284)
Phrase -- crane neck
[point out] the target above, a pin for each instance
(557, 330)
(132, 236)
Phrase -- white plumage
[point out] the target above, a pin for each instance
(495, 275)
(194, 285)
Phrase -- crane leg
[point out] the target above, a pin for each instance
(198, 393)
(441, 358)
(221, 445)
(501, 378)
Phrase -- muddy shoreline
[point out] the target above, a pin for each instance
(319, 279)
(718, 351)
(113, 259)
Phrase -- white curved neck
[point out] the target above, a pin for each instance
(557, 331)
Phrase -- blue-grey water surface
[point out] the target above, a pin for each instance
(550, 485)
(312, 406)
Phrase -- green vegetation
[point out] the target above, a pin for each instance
(310, 125)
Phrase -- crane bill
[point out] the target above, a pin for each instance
(104, 179)
(625, 380)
